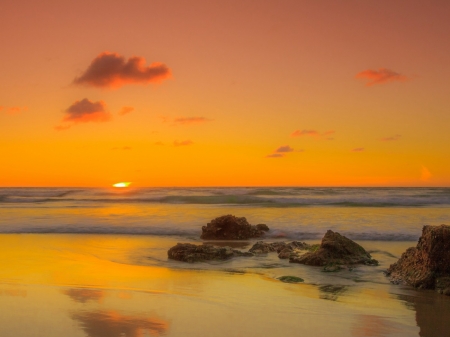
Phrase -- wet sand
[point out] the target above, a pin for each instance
(115, 286)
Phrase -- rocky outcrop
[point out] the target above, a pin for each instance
(229, 227)
(284, 249)
(427, 265)
(335, 250)
(188, 252)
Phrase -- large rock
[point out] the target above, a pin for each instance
(335, 249)
(229, 227)
(428, 264)
(188, 252)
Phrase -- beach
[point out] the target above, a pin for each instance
(100, 268)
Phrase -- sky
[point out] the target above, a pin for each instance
(225, 93)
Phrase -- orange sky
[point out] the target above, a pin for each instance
(225, 93)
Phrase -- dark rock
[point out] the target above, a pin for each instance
(262, 227)
(286, 253)
(229, 227)
(197, 253)
(335, 249)
(262, 247)
(427, 265)
(290, 279)
(291, 249)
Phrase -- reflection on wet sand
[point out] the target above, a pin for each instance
(114, 324)
(432, 312)
(332, 292)
(373, 326)
(13, 292)
(83, 295)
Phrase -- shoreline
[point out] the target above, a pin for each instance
(129, 277)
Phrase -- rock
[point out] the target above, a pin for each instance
(290, 279)
(443, 285)
(293, 248)
(335, 249)
(286, 253)
(262, 227)
(188, 252)
(262, 247)
(427, 265)
(229, 227)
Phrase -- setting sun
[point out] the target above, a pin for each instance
(122, 185)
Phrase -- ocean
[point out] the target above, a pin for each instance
(385, 214)
(92, 262)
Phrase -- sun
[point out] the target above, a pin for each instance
(122, 185)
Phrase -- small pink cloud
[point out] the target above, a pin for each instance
(358, 149)
(275, 155)
(183, 143)
(190, 120)
(284, 149)
(111, 70)
(392, 138)
(13, 110)
(84, 111)
(298, 133)
(125, 110)
(313, 133)
(380, 76)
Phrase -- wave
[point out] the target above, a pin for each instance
(265, 197)
(190, 233)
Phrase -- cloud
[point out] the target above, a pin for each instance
(190, 120)
(313, 133)
(392, 138)
(358, 149)
(13, 110)
(158, 143)
(275, 155)
(111, 70)
(126, 110)
(380, 76)
(425, 174)
(298, 133)
(183, 143)
(283, 149)
(84, 111)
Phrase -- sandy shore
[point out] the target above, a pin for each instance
(115, 286)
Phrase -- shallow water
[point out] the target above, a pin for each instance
(114, 285)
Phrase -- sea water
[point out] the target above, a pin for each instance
(97, 259)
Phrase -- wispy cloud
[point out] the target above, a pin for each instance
(313, 133)
(284, 149)
(190, 120)
(13, 110)
(391, 138)
(126, 110)
(158, 143)
(358, 149)
(380, 76)
(275, 155)
(183, 142)
(301, 133)
(84, 111)
(111, 70)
